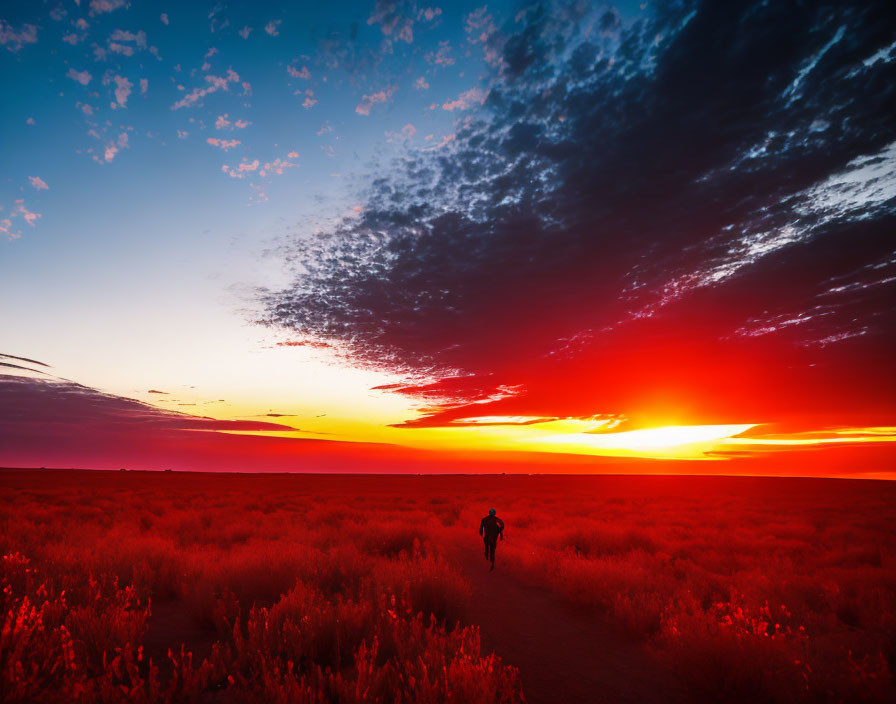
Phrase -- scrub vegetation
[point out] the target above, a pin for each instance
(170, 587)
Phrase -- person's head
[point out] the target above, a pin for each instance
(492, 512)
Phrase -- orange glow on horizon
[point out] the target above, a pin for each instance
(592, 436)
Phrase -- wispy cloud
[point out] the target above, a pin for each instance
(296, 73)
(466, 100)
(122, 89)
(82, 77)
(368, 101)
(99, 7)
(441, 56)
(395, 19)
(113, 147)
(126, 43)
(243, 169)
(215, 84)
(14, 39)
(19, 211)
(38, 183)
(225, 144)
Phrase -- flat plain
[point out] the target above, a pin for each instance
(170, 587)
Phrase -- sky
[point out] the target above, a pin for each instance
(414, 237)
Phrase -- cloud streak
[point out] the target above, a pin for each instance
(215, 84)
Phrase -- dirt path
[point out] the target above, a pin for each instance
(563, 655)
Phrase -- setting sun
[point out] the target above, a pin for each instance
(681, 440)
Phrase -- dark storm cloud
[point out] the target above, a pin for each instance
(63, 424)
(721, 171)
(28, 404)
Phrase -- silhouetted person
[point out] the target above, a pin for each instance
(490, 528)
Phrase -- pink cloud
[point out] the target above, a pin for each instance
(480, 28)
(182, 134)
(112, 148)
(98, 7)
(120, 35)
(29, 121)
(28, 216)
(309, 101)
(441, 57)
(445, 140)
(71, 38)
(245, 31)
(121, 49)
(421, 84)
(224, 144)
(223, 123)
(122, 89)
(466, 100)
(405, 133)
(479, 25)
(295, 73)
(215, 83)
(392, 22)
(164, 18)
(368, 101)
(38, 183)
(277, 166)
(144, 86)
(82, 77)
(429, 13)
(6, 229)
(273, 27)
(242, 170)
(15, 40)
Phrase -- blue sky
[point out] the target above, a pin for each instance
(135, 230)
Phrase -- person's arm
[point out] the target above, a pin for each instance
(501, 528)
(481, 526)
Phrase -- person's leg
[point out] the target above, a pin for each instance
(485, 542)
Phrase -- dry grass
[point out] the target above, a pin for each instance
(343, 589)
